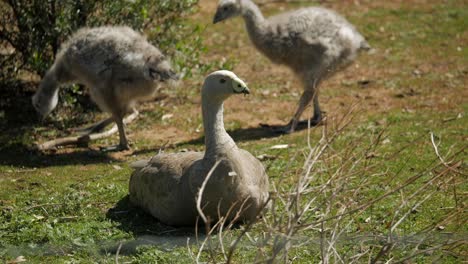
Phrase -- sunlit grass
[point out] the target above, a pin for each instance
(71, 206)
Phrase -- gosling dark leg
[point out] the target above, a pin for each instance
(305, 99)
(123, 142)
(317, 118)
(96, 127)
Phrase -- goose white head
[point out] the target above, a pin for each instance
(221, 84)
(227, 9)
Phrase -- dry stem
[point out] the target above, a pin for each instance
(84, 139)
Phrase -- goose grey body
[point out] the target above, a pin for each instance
(314, 42)
(167, 185)
(117, 64)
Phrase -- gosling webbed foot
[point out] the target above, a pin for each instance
(288, 129)
(305, 123)
(283, 130)
(278, 129)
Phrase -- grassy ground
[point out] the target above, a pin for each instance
(377, 190)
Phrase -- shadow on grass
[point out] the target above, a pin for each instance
(239, 135)
(21, 156)
(17, 141)
(19, 120)
(146, 229)
(251, 133)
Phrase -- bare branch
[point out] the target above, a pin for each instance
(84, 139)
(200, 192)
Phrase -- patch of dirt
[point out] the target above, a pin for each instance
(371, 83)
(162, 135)
(275, 89)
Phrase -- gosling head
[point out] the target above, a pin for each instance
(44, 101)
(159, 68)
(227, 9)
(222, 84)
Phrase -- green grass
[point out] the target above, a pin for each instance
(72, 206)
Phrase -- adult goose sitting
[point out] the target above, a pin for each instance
(235, 185)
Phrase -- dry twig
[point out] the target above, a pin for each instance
(85, 139)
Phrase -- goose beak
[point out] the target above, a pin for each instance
(164, 75)
(38, 115)
(239, 86)
(217, 18)
(245, 90)
(173, 75)
(40, 118)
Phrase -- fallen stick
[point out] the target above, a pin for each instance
(84, 139)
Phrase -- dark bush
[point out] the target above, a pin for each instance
(31, 30)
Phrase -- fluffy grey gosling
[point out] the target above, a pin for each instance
(119, 66)
(167, 186)
(314, 42)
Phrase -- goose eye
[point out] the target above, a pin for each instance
(222, 80)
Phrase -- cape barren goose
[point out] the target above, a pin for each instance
(167, 186)
(314, 42)
(119, 66)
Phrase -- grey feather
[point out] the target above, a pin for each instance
(139, 164)
(118, 65)
(167, 187)
(314, 42)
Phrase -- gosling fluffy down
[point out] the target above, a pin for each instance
(314, 42)
(118, 65)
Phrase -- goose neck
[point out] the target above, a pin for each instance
(252, 14)
(217, 140)
(49, 85)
